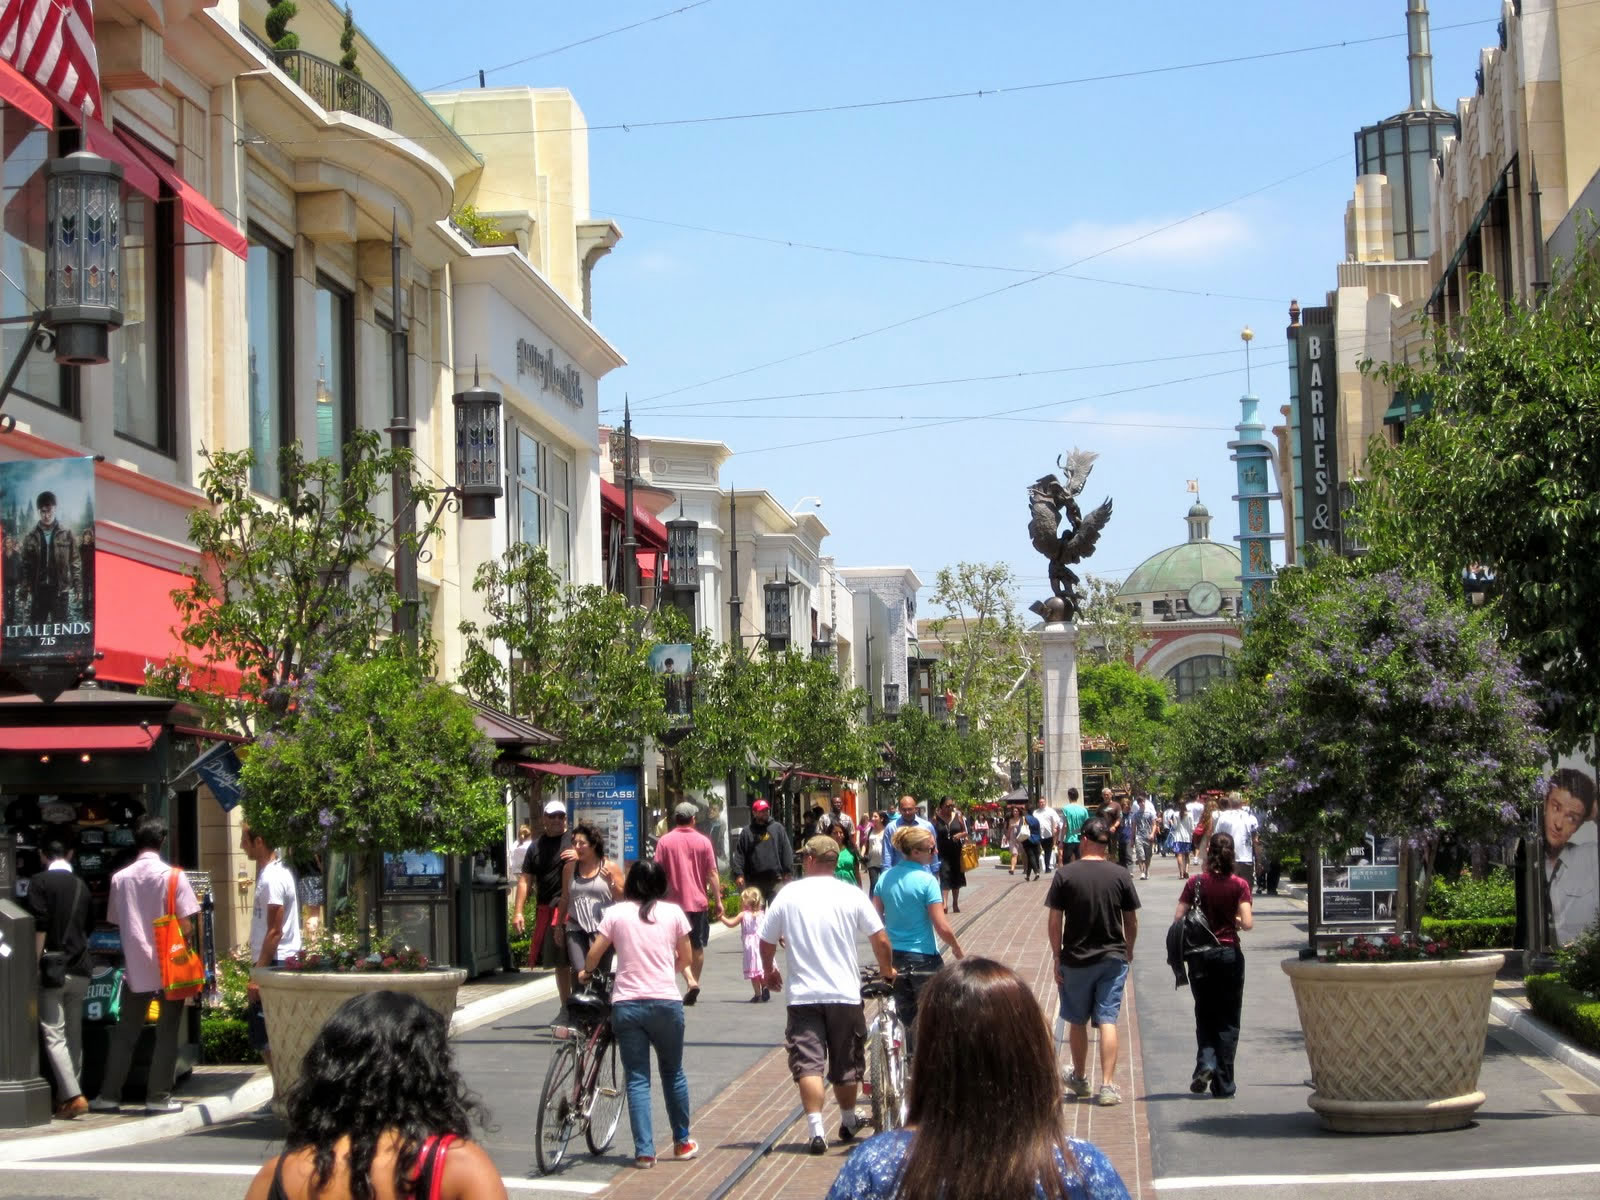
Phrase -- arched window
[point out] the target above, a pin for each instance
(1194, 675)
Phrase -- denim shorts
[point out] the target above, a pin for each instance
(1093, 992)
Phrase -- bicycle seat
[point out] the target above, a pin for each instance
(876, 988)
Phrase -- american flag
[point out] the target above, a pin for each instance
(52, 43)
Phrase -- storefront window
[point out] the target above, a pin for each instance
(268, 299)
(26, 147)
(335, 321)
(1194, 675)
(380, 404)
(544, 500)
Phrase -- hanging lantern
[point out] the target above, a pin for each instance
(478, 451)
(683, 555)
(83, 256)
(891, 699)
(776, 594)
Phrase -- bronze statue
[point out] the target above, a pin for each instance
(1048, 499)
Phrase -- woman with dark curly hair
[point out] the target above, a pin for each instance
(1216, 976)
(982, 1048)
(590, 884)
(379, 1113)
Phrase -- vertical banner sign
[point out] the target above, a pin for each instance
(1571, 850)
(1319, 437)
(610, 802)
(47, 562)
(674, 662)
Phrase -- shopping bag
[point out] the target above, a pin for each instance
(102, 1002)
(969, 857)
(183, 973)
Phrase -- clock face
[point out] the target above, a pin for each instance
(1205, 598)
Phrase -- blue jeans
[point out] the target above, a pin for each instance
(639, 1025)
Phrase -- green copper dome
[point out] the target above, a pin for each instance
(1175, 570)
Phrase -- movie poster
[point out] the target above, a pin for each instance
(1571, 850)
(46, 562)
(675, 663)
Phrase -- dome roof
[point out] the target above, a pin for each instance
(1175, 570)
(1199, 510)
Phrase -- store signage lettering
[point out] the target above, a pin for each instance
(564, 381)
(1318, 447)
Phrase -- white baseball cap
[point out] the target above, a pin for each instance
(554, 808)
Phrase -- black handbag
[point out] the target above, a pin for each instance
(53, 969)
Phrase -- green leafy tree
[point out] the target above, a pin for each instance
(1215, 739)
(347, 43)
(818, 719)
(567, 659)
(374, 756)
(285, 584)
(1108, 629)
(1133, 711)
(278, 18)
(931, 759)
(1504, 474)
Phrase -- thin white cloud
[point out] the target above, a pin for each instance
(1203, 238)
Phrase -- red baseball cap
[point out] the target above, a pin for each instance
(760, 806)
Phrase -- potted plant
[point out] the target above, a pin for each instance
(1392, 709)
(374, 757)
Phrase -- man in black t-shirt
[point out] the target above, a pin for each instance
(541, 873)
(59, 901)
(1093, 923)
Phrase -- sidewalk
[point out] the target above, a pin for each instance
(745, 1113)
(212, 1094)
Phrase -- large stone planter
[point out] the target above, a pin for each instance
(298, 1003)
(1395, 1047)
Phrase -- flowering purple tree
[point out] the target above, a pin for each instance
(1393, 708)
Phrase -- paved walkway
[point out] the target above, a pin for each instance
(1008, 923)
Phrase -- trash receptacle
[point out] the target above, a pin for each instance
(24, 1096)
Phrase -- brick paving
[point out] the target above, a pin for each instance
(744, 1113)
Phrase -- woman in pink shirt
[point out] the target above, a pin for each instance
(651, 937)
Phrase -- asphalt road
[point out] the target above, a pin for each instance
(1267, 1136)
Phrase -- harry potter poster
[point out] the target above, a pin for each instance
(46, 562)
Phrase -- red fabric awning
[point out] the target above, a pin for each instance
(199, 214)
(98, 739)
(647, 564)
(17, 91)
(563, 769)
(100, 140)
(648, 531)
(135, 621)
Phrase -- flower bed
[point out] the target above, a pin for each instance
(1395, 948)
(1566, 1008)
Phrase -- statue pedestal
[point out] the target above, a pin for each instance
(1063, 741)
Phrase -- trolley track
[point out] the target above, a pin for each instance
(725, 1189)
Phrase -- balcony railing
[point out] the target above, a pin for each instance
(329, 84)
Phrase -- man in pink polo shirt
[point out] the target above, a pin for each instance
(138, 897)
(692, 882)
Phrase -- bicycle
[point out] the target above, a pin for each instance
(583, 1085)
(887, 1067)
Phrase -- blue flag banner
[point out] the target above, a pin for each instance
(220, 770)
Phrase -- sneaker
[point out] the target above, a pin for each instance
(766, 993)
(1109, 1095)
(163, 1107)
(756, 999)
(683, 1151)
(847, 1133)
(645, 1161)
(97, 1105)
(1200, 1082)
(819, 1145)
(1078, 1086)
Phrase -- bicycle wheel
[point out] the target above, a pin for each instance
(605, 1100)
(883, 1105)
(895, 1046)
(557, 1117)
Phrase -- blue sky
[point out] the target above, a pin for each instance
(1033, 179)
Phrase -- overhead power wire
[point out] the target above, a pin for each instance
(571, 45)
(642, 404)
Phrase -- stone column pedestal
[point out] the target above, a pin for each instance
(1063, 741)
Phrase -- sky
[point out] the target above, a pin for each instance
(933, 300)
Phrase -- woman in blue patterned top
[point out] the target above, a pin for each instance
(982, 1048)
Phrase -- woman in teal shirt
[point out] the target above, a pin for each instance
(908, 900)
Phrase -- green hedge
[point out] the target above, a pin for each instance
(1566, 1008)
(225, 1040)
(1472, 933)
(1005, 858)
(1495, 895)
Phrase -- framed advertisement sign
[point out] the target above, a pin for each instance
(47, 564)
(610, 802)
(1363, 888)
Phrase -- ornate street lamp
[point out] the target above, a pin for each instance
(963, 723)
(477, 450)
(82, 267)
(683, 554)
(891, 699)
(776, 595)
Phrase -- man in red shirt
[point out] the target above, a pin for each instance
(692, 883)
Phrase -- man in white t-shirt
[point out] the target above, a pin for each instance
(819, 917)
(1239, 823)
(1050, 822)
(274, 925)
(1193, 812)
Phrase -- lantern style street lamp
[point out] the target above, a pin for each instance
(477, 450)
(82, 267)
(891, 699)
(776, 595)
(683, 554)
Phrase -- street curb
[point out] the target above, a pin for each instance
(1548, 1042)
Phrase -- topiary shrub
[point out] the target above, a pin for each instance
(225, 1039)
(278, 18)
